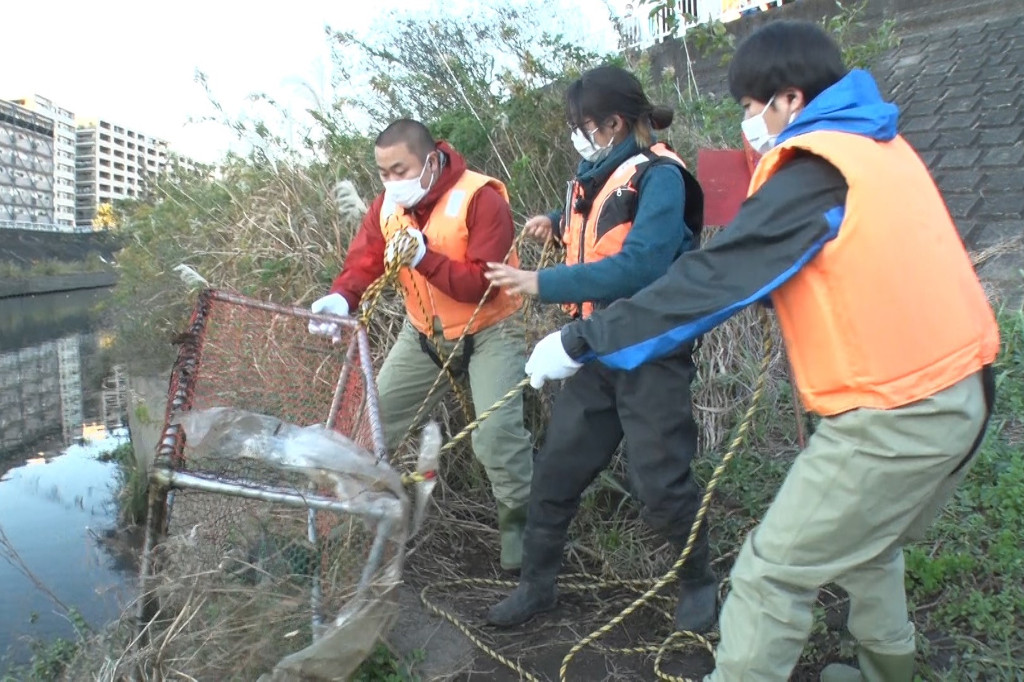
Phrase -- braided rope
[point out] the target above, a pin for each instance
(455, 350)
(575, 582)
(649, 593)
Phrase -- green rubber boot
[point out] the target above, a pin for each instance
(511, 525)
(873, 668)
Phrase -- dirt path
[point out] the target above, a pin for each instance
(444, 653)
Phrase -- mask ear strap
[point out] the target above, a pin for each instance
(434, 175)
(426, 164)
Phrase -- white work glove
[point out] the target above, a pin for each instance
(549, 361)
(390, 253)
(332, 304)
(349, 203)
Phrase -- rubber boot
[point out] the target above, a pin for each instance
(874, 667)
(697, 609)
(511, 525)
(537, 591)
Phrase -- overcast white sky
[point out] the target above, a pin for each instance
(134, 62)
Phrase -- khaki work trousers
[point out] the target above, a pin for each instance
(868, 482)
(502, 444)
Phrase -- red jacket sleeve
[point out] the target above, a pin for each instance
(491, 233)
(364, 261)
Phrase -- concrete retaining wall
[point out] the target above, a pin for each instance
(46, 284)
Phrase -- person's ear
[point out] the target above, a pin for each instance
(617, 126)
(793, 98)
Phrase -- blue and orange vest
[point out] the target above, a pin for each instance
(890, 311)
(599, 232)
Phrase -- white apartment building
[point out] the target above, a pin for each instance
(64, 157)
(26, 168)
(112, 162)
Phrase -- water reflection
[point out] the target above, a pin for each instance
(54, 373)
(56, 517)
(61, 405)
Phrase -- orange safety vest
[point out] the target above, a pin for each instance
(602, 230)
(447, 233)
(890, 311)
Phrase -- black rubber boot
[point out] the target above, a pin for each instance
(537, 591)
(697, 610)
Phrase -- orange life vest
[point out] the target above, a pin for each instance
(890, 311)
(600, 232)
(446, 233)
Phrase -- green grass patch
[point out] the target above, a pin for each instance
(383, 666)
(132, 484)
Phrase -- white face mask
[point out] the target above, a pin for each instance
(755, 129)
(586, 147)
(408, 193)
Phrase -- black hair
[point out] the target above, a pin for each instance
(783, 54)
(413, 133)
(604, 91)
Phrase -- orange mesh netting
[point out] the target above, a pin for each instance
(260, 357)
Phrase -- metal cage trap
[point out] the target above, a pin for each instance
(276, 529)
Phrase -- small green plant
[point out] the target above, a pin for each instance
(50, 659)
(712, 37)
(142, 414)
(861, 46)
(132, 484)
(383, 666)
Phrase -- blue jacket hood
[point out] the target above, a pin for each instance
(851, 105)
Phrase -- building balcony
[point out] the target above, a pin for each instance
(640, 30)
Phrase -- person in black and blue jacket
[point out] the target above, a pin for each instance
(631, 210)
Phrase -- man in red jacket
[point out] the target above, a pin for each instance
(459, 220)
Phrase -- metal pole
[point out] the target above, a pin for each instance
(316, 593)
(269, 494)
(293, 311)
(377, 431)
(155, 523)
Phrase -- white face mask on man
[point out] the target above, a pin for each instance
(409, 192)
(586, 147)
(755, 129)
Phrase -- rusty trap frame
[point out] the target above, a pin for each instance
(259, 359)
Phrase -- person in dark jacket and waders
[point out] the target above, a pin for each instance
(631, 210)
